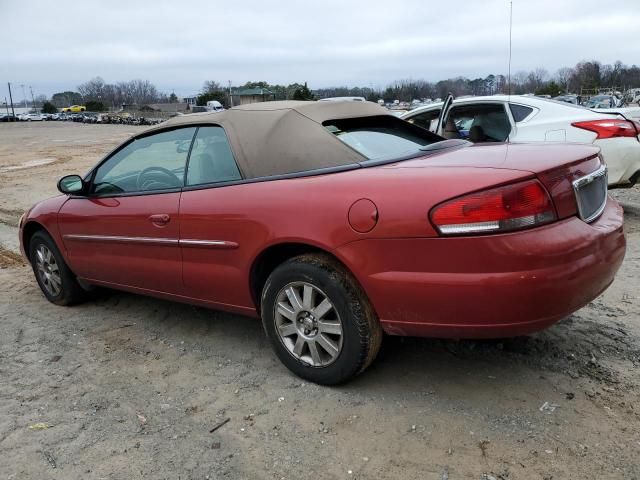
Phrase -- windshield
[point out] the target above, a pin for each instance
(381, 137)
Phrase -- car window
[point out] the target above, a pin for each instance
(478, 123)
(427, 120)
(520, 112)
(381, 137)
(211, 159)
(154, 162)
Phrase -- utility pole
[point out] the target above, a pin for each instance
(11, 99)
(230, 97)
(6, 105)
(24, 95)
(33, 101)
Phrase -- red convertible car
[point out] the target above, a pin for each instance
(335, 222)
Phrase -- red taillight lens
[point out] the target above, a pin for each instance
(609, 128)
(502, 209)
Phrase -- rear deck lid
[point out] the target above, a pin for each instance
(557, 166)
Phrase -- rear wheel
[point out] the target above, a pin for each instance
(318, 319)
(56, 280)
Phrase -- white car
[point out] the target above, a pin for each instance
(28, 117)
(516, 118)
(343, 99)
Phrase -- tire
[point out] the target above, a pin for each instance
(47, 261)
(351, 351)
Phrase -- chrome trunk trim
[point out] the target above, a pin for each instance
(584, 181)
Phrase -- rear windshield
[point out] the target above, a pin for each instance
(382, 137)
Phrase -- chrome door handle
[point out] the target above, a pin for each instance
(160, 219)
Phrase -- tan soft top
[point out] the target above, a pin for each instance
(276, 138)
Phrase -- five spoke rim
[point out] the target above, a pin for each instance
(48, 270)
(308, 324)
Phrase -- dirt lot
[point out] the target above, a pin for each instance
(130, 387)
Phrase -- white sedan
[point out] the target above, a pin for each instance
(29, 117)
(515, 118)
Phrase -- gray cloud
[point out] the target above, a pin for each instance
(178, 45)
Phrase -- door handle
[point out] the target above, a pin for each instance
(160, 219)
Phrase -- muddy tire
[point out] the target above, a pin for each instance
(319, 320)
(56, 280)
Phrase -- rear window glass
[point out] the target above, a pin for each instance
(519, 112)
(381, 137)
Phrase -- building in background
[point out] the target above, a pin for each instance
(251, 95)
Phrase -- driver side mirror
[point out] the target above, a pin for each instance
(71, 184)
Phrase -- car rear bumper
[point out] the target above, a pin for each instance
(489, 286)
(622, 156)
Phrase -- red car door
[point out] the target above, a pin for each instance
(212, 224)
(125, 230)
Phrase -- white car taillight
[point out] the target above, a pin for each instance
(609, 128)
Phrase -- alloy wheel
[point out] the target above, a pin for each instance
(48, 270)
(308, 324)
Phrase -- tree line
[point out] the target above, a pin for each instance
(584, 75)
(587, 74)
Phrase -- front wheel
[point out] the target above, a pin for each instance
(319, 320)
(56, 280)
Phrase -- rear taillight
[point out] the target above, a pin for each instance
(502, 209)
(609, 128)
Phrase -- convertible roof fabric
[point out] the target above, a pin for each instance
(276, 138)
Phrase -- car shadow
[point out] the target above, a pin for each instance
(566, 348)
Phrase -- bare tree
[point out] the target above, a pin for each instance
(211, 86)
(93, 89)
(563, 76)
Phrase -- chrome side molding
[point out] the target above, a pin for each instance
(193, 243)
(118, 239)
(222, 244)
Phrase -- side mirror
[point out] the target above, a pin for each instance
(71, 184)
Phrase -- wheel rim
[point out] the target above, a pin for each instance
(48, 270)
(307, 324)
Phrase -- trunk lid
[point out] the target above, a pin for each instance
(555, 165)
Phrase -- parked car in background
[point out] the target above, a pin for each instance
(32, 117)
(365, 223)
(632, 96)
(603, 101)
(214, 106)
(89, 117)
(343, 99)
(8, 117)
(502, 118)
(75, 108)
(573, 99)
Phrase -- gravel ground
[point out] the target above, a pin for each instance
(130, 387)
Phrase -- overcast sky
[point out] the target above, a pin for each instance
(54, 45)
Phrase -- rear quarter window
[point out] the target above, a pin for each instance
(519, 112)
